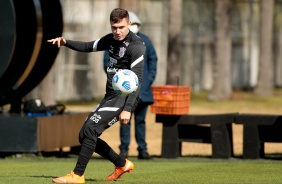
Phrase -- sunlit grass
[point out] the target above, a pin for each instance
(241, 101)
(181, 170)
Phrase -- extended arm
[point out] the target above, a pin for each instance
(92, 46)
(137, 53)
(75, 45)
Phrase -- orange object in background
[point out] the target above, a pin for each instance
(170, 99)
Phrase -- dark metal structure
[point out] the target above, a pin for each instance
(257, 130)
(191, 128)
(27, 56)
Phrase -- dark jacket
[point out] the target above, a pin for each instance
(150, 69)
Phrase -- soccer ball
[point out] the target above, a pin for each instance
(125, 82)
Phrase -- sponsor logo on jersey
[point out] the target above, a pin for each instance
(121, 51)
(113, 60)
(112, 121)
(96, 118)
(111, 49)
(112, 70)
(126, 43)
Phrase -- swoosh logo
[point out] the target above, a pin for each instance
(64, 180)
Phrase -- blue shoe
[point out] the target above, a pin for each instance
(144, 155)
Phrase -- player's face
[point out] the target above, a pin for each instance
(120, 29)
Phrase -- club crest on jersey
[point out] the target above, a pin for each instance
(121, 52)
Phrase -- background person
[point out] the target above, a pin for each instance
(146, 96)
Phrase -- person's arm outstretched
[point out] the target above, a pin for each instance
(74, 45)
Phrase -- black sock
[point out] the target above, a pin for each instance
(107, 152)
(83, 159)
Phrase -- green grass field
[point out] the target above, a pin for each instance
(38, 169)
(187, 170)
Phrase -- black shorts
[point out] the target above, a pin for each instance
(102, 117)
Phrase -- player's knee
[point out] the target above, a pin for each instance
(88, 132)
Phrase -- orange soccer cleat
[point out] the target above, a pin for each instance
(120, 171)
(70, 178)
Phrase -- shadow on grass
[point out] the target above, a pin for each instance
(274, 156)
(277, 157)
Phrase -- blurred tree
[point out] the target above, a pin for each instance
(129, 5)
(174, 41)
(46, 89)
(222, 88)
(265, 76)
(277, 38)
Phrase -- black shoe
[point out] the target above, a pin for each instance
(144, 155)
(123, 154)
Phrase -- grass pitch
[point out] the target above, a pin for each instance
(187, 170)
(37, 169)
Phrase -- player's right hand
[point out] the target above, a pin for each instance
(124, 117)
(58, 41)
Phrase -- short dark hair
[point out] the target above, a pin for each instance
(118, 14)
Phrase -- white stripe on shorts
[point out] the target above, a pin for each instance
(108, 109)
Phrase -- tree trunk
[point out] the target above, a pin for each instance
(174, 41)
(222, 88)
(265, 76)
(46, 89)
(129, 5)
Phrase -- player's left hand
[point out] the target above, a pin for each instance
(58, 41)
(124, 117)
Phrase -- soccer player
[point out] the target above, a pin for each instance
(126, 51)
(146, 95)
